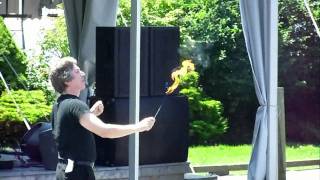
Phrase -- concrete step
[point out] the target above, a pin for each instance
(194, 176)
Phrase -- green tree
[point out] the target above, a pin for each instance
(55, 41)
(299, 52)
(9, 52)
(299, 69)
(53, 45)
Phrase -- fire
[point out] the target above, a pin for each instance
(187, 66)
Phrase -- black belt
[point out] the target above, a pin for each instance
(84, 163)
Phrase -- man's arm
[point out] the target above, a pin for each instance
(95, 125)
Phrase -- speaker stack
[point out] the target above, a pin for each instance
(167, 141)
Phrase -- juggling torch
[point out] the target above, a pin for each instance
(187, 66)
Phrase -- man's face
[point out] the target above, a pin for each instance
(78, 81)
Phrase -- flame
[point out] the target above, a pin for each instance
(187, 66)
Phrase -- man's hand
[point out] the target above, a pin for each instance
(97, 108)
(146, 124)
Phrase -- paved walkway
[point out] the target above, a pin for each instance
(313, 174)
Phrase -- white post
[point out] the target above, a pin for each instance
(21, 12)
(281, 135)
(272, 153)
(134, 95)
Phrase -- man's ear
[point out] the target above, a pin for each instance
(67, 84)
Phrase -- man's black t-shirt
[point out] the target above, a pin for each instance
(73, 140)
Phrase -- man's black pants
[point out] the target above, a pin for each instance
(79, 172)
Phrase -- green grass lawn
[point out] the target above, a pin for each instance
(226, 154)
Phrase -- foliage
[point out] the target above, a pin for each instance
(211, 34)
(53, 45)
(33, 107)
(299, 52)
(11, 53)
(38, 77)
(11, 132)
(200, 21)
(55, 42)
(207, 121)
(299, 69)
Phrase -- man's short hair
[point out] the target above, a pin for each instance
(61, 73)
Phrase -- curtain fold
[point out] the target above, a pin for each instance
(259, 23)
(82, 18)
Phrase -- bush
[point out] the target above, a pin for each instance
(207, 121)
(10, 52)
(53, 47)
(33, 107)
(38, 77)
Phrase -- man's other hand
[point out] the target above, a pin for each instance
(97, 108)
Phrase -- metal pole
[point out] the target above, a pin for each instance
(272, 152)
(134, 94)
(7, 7)
(281, 135)
(21, 12)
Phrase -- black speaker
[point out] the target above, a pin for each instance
(48, 150)
(167, 142)
(158, 57)
(30, 141)
(163, 57)
(113, 62)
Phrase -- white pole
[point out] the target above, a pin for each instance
(14, 102)
(21, 12)
(134, 94)
(272, 153)
(20, 7)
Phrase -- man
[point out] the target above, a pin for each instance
(74, 124)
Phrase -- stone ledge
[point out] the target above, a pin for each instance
(170, 171)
